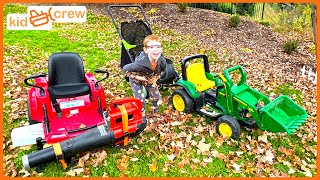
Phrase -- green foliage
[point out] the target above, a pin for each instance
(288, 89)
(290, 46)
(312, 48)
(297, 18)
(234, 21)
(222, 7)
(245, 8)
(182, 7)
(13, 8)
(240, 8)
(265, 23)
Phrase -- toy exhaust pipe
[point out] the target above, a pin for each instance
(95, 138)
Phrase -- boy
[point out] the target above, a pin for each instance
(143, 72)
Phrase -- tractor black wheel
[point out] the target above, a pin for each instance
(228, 126)
(29, 115)
(182, 101)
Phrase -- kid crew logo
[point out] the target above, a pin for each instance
(41, 17)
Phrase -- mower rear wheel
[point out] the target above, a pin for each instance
(228, 126)
(29, 115)
(182, 101)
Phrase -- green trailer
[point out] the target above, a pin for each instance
(232, 103)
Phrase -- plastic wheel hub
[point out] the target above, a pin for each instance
(225, 130)
(178, 103)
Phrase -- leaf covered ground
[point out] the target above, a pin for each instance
(173, 144)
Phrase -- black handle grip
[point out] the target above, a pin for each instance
(101, 71)
(34, 77)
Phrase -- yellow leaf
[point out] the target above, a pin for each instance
(153, 167)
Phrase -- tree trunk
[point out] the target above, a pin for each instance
(314, 22)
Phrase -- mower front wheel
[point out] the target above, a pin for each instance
(182, 101)
(228, 126)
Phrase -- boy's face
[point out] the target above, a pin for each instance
(153, 50)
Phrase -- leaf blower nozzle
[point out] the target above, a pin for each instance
(94, 138)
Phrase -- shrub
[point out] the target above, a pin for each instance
(234, 21)
(290, 46)
(182, 7)
(265, 23)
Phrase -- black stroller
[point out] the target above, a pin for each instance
(132, 34)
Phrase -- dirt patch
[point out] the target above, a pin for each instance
(250, 41)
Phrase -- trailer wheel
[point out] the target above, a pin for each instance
(182, 101)
(228, 126)
(29, 115)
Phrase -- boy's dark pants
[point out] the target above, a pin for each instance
(138, 92)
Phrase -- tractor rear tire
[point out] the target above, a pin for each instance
(29, 115)
(228, 126)
(182, 101)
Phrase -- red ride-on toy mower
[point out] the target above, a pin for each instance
(68, 102)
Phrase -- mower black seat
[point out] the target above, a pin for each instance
(66, 77)
(70, 90)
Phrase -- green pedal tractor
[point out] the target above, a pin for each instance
(233, 103)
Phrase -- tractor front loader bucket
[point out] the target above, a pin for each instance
(282, 115)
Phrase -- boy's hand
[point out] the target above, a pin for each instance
(140, 78)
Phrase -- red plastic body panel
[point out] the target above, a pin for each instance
(133, 107)
(73, 118)
(83, 116)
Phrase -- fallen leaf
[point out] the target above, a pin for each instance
(122, 163)
(26, 173)
(176, 123)
(236, 167)
(188, 139)
(207, 160)
(130, 151)
(171, 157)
(153, 167)
(105, 174)
(268, 158)
(71, 173)
(291, 171)
(87, 171)
(99, 157)
(134, 159)
(308, 173)
(195, 160)
(263, 138)
(203, 147)
(221, 156)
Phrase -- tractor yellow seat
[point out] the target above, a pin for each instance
(196, 75)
